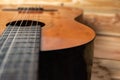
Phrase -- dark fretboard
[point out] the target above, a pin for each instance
(19, 50)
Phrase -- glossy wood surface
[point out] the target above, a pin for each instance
(60, 31)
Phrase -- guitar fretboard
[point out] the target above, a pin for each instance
(19, 50)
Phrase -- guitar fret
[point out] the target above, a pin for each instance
(22, 54)
(23, 31)
(23, 44)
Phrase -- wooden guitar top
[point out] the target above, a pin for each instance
(61, 30)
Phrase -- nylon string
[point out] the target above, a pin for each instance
(7, 54)
(33, 64)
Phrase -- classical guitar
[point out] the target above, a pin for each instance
(27, 32)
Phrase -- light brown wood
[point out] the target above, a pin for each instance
(60, 31)
(106, 65)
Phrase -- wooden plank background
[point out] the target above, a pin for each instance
(107, 45)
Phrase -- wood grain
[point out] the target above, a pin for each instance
(60, 28)
(106, 64)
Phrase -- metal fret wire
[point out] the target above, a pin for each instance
(21, 74)
(25, 56)
(1, 37)
(31, 76)
(3, 41)
(34, 64)
(6, 54)
(25, 63)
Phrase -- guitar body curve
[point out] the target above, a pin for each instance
(66, 46)
(60, 28)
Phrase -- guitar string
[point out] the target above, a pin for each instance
(25, 56)
(32, 74)
(7, 54)
(7, 28)
(34, 65)
(32, 55)
(18, 55)
(8, 34)
(22, 62)
(29, 78)
(17, 17)
(24, 52)
(19, 27)
(1, 38)
(32, 68)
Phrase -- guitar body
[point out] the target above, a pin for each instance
(65, 45)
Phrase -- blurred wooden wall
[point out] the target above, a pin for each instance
(32, 1)
(86, 4)
(92, 5)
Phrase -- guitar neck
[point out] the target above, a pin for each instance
(19, 53)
